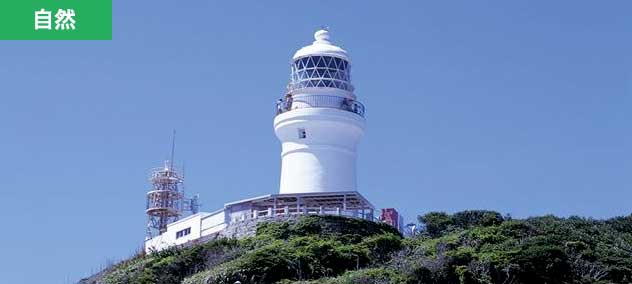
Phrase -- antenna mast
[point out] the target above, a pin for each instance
(173, 148)
(166, 201)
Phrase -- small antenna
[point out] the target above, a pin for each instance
(173, 148)
(184, 169)
(183, 173)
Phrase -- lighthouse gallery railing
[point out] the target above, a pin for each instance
(315, 101)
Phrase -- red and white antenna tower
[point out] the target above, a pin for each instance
(165, 199)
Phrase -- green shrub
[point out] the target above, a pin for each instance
(470, 247)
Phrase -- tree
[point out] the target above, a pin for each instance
(436, 223)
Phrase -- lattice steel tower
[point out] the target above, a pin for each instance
(165, 200)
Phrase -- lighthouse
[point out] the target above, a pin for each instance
(319, 121)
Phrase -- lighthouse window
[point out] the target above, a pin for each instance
(309, 63)
(321, 71)
(336, 61)
(321, 62)
(302, 134)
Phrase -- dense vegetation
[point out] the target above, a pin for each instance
(466, 247)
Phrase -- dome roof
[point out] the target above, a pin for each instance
(321, 46)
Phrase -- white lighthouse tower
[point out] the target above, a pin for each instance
(319, 122)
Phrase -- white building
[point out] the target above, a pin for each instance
(319, 123)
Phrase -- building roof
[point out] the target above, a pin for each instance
(199, 214)
(314, 195)
(322, 46)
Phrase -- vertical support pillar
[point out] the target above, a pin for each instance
(344, 203)
(298, 205)
(338, 211)
(269, 211)
(274, 207)
(286, 210)
(320, 210)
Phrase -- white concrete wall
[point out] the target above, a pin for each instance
(239, 212)
(168, 238)
(325, 160)
(213, 223)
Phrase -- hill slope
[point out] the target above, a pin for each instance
(466, 247)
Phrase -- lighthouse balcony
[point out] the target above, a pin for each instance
(319, 101)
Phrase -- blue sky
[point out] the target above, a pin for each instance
(523, 108)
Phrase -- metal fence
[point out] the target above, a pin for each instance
(319, 101)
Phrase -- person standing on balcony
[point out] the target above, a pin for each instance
(279, 106)
(346, 104)
(288, 102)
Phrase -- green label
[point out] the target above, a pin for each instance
(56, 19)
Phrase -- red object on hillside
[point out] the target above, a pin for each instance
(391, 216)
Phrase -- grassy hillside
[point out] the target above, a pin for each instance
(466, 247)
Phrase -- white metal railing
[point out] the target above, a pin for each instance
(294, 211)
(289, 103)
